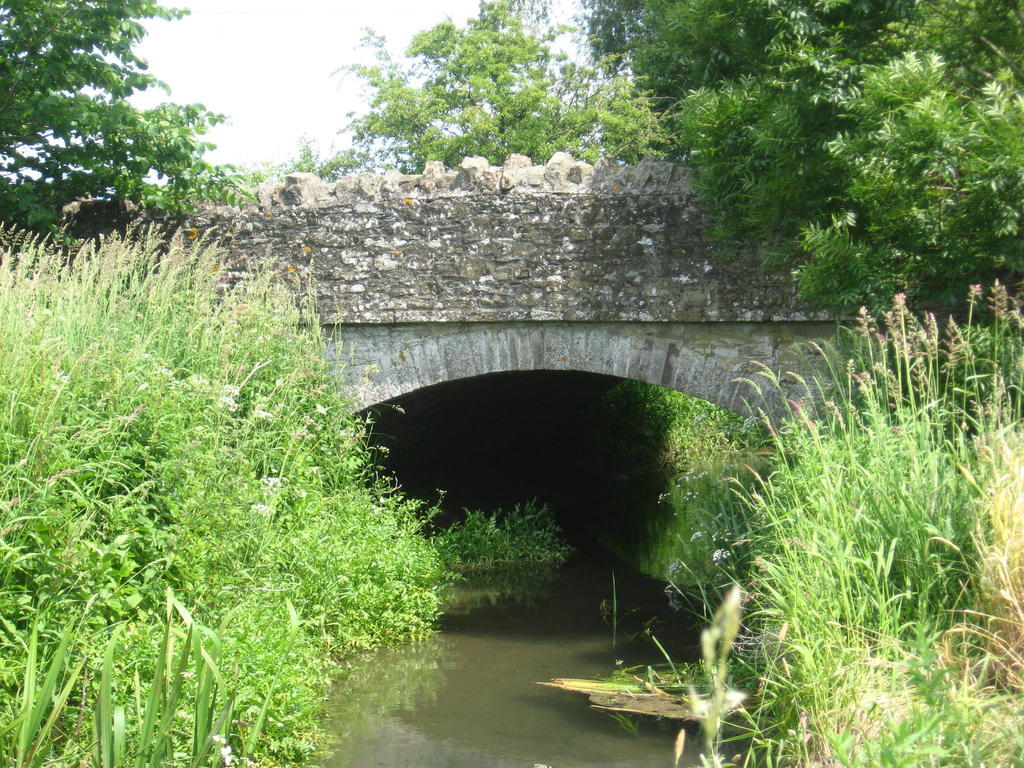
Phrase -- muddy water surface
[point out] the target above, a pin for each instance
(468, 698)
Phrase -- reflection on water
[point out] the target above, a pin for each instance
(467, 697)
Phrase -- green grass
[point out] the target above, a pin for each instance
(165, 426)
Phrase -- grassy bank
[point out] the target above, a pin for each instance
(878, 537)
(163, 430)
(886, 567)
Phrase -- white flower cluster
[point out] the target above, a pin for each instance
(225, 749)
(227, 400)
(227, 403)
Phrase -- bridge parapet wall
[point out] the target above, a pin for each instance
(562, 241)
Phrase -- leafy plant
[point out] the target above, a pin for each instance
(186, 673)
(67, 129)
(165, 428)
(873, 146)
(492, 88)
(527, 533)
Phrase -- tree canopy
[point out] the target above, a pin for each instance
(874, 145)
(496, 86)
(67, 129)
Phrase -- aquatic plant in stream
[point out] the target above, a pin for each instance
(527, 533)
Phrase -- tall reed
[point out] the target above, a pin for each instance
(865, 535)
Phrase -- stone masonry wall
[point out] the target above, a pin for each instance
(560, 241)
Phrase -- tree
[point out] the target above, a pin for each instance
(67, 129)
(613, 27)
(873, 145)
(492, 88)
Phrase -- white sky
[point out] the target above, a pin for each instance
(268, 65)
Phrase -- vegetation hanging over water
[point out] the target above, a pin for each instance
(881, 554)
(164, 430)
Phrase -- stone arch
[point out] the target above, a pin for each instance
(706, 360)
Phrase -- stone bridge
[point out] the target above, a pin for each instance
(449, 274)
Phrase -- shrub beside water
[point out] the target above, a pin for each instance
(164, 428)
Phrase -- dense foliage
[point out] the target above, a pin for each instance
(883, 554)
(527, 534)
(165, 430)
(494, 87)
(875, 146)
(67, 129)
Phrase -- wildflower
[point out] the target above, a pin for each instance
(259, 413)
(262, 509)
(192, 233)
(697, 535)
(165, 372)
(231, 391)
(226, 756)
(271, 483)
(320, 409)
(720, 556)
(227, 403)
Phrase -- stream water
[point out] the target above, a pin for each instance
(468, 698)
